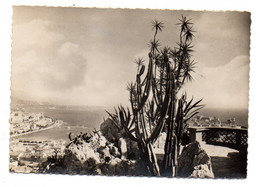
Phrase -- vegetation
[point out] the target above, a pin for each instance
(155, 102)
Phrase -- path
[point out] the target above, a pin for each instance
(226, 162)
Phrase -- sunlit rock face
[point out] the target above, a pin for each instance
(96, 156)
(117, 136)
(194, 162)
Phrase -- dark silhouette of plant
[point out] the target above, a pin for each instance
(154, 100)
(80, 139)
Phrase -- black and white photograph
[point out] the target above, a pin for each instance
(129, 92)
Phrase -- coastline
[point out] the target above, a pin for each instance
(31, 132)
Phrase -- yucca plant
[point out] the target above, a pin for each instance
(154, 100)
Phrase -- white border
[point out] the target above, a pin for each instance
(7, 179)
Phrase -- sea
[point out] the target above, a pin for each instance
(76, 119)
(86, 119)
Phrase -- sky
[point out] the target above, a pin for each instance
(84, 56)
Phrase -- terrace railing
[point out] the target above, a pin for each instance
(235, 138)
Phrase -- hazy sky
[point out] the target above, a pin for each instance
(85, 56)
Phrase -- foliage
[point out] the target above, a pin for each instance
(154, 99)
(79, 139)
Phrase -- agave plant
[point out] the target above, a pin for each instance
(154, 100)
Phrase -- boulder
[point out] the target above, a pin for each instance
(82, 152)
(113, 150)
(22, 169)
(122, 144)
(119, 167)
(192, 160)
(201, 158)
(109, 168)
(98, 140)
(89, 152)
(90, 166)
(104, 154)
(71, 161)
(186, 159)
(132, 149)
(107, 152)
(202, 171)
(118, 137)
(79, 158)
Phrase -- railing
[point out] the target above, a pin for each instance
(224, 136)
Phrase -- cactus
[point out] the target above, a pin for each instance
(79, 139)
(154, 100)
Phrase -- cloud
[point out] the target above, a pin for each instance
(222, 36)
(48, 66)
(34, 34)
(86, 56)
(67, 69)
(223, 86)
(43, 60)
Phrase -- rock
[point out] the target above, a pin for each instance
(23, 169)
(186, 159)
(72, 163)
(192, 160)
(113, 150)
(107, 169)
(80, 157)
(97, 141)
(101, 154)
(132, 149)
(89, 152)
(104, 154)
(201, 158)
(13, 165)
(119, 167)
(90, 166)
(202, 171)
(97, 171)
(123, 147)
(118, 137)
(102, 140)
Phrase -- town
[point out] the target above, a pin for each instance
(25, 156)
(24, 122)
(205, 121)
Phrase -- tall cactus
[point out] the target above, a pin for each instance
(154, 101)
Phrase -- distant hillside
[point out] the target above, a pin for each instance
(16, 102)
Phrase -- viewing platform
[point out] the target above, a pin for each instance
(227, 148)
(233, 137)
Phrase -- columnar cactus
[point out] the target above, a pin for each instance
(154, 102)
